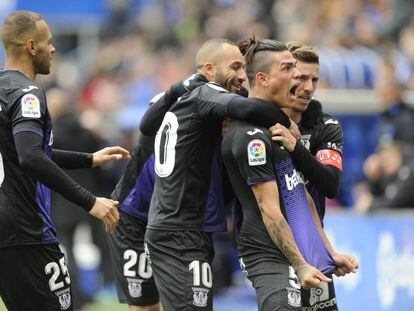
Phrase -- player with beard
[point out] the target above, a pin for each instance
(318, 157)
(267, 185)
(33, 273)
(180, 250)
(133, 276)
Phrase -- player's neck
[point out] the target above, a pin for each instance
(296, 116)
(22, 65)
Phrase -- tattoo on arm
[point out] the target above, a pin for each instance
(283, 238)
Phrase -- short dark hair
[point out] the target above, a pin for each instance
(303, 53)
(18, 27)
(257, 55)
(209, 49)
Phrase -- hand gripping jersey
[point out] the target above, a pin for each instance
(24, 201)
(251, 158)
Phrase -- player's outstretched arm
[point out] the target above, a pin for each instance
(344, 263)
(105, 210)
(267, 196)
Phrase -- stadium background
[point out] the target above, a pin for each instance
(114, 55)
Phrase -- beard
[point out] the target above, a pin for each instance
(41, 64)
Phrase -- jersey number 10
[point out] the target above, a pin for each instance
(165, 142)
(1, 170)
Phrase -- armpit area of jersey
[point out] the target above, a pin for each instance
(35, 162)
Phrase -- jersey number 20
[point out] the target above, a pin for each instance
(165, 142)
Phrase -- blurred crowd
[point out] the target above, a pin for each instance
(100, 87)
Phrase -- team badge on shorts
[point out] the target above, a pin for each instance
(135, 287)
(200, 296)
(65, 299)
(256, 152)
(294, 298)
(30, 106)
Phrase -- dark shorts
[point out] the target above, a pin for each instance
(321, 299)
(181, 261)
(133, 275)
(276, 284)
(34, 277)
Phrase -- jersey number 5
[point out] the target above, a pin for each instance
(165, 142)
(1, 170)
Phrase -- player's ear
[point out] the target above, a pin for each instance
(262, 79)
(210, 70)
(31, 47)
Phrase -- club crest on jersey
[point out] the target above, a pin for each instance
(305, 140)
(30, 106)
(256, 152)
(294, 298)
(65, 299)
(200, 296)
(134, 287)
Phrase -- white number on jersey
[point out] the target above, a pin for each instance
(206, 277)
(144, 269)
(165, 142)
(1, 170)
(53, 267)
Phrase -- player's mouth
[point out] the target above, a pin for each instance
(237, 87)
(292, 91)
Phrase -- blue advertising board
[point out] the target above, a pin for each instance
(384, 247)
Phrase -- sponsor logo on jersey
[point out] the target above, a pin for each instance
(135, 287)
(294, 298)
(305, 140)
(295, 179)
(255, 131)
(319, 294)
(256, 151)
(322, 305)
(65, 299)
(334, 146)
(200, 296)
(30, 106)
(331, 121)
(29, 88)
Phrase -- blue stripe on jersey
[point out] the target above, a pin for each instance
(299, 217)
(43, 192)
(215, 212)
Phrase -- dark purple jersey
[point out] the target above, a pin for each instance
(24, 201)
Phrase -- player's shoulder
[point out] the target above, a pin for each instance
(329, 121)
(244, 132)
(16, 81)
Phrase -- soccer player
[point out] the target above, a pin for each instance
(266, 184)
(318, 157)
(133, 275)
(189, 138)
(33, 273)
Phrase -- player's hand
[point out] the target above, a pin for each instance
(345, 264)
(294, 130)
(282, 134)
(105, 210)
(109, 154)
(309, 276)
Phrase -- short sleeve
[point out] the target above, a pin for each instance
(28, 111)
(253, 154)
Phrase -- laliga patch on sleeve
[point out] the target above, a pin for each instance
(256, 152)
(330, 157)
(30, 106)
